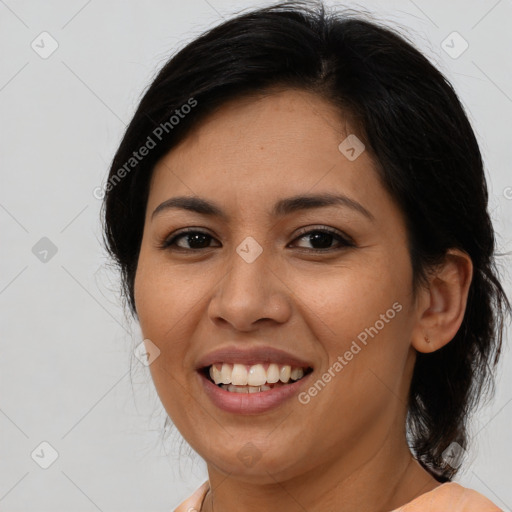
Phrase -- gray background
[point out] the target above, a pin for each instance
(66, 374)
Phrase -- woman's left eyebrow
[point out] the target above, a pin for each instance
(282, 208)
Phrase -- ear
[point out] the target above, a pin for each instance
(441, 304)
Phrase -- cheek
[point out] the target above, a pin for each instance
(359, 315)
(344, 299)
(162, 297)
(161, 310)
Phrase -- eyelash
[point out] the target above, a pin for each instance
(344, 241)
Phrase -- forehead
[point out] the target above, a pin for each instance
(285, 126)
(258, 149)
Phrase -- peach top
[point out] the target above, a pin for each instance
(447, 497)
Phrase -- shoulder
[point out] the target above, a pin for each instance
(193, 503)
(448, 497)
(470, 500)
(452, 497)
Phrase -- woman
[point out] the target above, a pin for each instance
(299, 212)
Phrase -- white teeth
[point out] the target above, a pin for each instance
(245, 389)
(285, 373)
(257, 375)
(296, 373)
(272, 373)
(239, 375)
(215, 374)
(225, 373)
(253, 376)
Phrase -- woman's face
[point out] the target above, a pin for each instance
(251, 280)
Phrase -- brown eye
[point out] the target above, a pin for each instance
(195, 239)
(323, 238)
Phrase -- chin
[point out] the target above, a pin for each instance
(252, 465)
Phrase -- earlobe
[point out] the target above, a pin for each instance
(443, 303)
(425, 344)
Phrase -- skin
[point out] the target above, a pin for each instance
(345, 450)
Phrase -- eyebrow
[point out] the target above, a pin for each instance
(282, 208)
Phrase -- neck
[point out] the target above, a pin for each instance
(363, 480)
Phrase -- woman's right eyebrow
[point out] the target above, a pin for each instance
(282, 207)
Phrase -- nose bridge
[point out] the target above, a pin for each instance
(250, 290)
(248, 266)
(250, 250)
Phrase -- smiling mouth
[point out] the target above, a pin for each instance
(241, 378)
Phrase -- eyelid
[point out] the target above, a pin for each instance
(170, 239)
(343, 242)
(304, 231)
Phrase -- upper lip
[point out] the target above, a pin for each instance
(254, 355)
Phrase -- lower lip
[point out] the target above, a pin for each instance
(250, 403)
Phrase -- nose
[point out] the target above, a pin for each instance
(251, 292)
